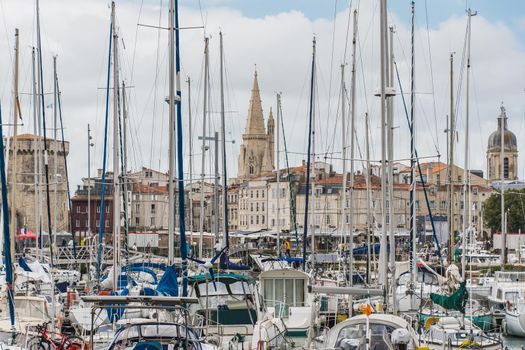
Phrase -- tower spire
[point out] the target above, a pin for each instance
(255, 121)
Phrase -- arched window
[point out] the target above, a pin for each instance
(506, 167)
(251, 169)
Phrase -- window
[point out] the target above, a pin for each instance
(256, 206)
(107, 223)
(443, 204)
(417, 204)
(251, 219)
(257, 219)
(153, 209)
(152, 221)
(251, 207)
(461, 205)
(432, 204)
(256, 194)
(78, 210)
(438, 179)
(475, 191)
(98, 223)
(98, 208)
(262, 219)
(77, 222)
(137, 221)
(137, 207)
(251, 169)
(262, 194)
(251, 194)
(107, 209)
(262, 206)
(460, 178)
(506, 167)
(327, 220)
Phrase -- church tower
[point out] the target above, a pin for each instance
(256, 153)
(510, 159)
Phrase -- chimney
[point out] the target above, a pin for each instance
(99, 172)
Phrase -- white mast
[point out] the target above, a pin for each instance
(314, 192)
(450, 170)
(345, 171)
(466, 176)
(16, 110)
(171, 151)
(116, 175)
(391, 201)
(502, 176)
(203, 154)
(352, 151)
(383, 270)
(278, 168)
(55, 152)
(191, 160)
(35, 147)
(368, 201)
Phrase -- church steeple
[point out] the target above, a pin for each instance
(255, 121)
(510, 148)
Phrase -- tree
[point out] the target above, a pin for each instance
(514, 206)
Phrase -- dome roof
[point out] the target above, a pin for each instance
(509, 139)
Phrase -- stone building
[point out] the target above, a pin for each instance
(30, 170)
(256, 154)
(510, 157)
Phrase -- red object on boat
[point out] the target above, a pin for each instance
(26, 234)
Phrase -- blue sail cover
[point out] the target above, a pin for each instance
(149, 265)
(226, 264)
(116, 313)
(141, 269)
(168, 284)
(23, 264)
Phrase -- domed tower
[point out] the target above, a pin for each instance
(510, 149)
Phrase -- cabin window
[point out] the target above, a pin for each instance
(289, 291)
(499, 294)
(512, 296)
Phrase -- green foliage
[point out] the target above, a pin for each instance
(514, 205)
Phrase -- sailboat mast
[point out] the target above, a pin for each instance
(191, 159)
(450, 172)
(171, 151)
(352, 150)
(502, 177)
(308, 165)
(116, 175)
(55, 143)
(383, 272)
(203, 154)
(391, 201)
(466, 172)
(180, 158)
(344, 219)
(413, 181)
(368, 201)
(278, 170)
(35, 152)
(223, 147)
(16, 110)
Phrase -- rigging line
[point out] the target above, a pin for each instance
(332, 62)
(461, 76)
(476, 104)
(431, 75)
(347, 29)
(135, 44)
(155, 81)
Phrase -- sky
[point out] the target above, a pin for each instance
(275, 36)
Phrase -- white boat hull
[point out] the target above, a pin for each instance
(515, 323)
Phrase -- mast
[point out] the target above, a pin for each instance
(43, 111)
(368, 201)
(16, 111)
(180, 158)
(345, 171)
(90, 144)
(223, 146)
(35, 150)
(502, 170)
(383, 272)
(278, 165)
(308, 165)
(352, 150)
(116, 175)
(450, 172)
(203, 154)
(55, 137)
(413, 181)
(191, 159)
(7, 253)
(171, 151)
(466, 177)
(124, 167)
(216, 186)
(391, 201)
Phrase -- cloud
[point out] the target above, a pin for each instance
(280, 45)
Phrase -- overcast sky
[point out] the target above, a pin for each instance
(276, 36)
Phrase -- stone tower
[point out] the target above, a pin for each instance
(256, 153)
(28, 146)
(510, 160)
